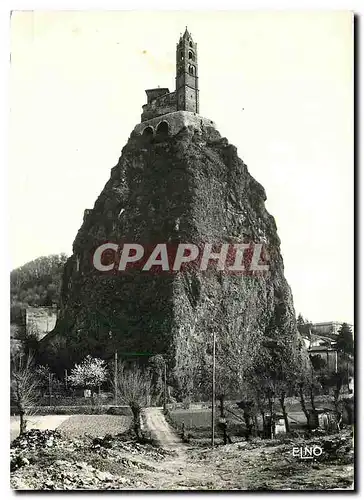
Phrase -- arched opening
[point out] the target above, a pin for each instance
(148, 133)
(191, 70)
(191, 45)
(191, 55)
(181, 55)
(163, 129)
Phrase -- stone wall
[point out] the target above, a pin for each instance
(160, 106)
(154, 93)
(176, 122)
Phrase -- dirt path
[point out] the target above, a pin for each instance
(254, 465)
(239, 466)
(162, 431)
(178, 472)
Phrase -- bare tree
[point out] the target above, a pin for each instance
(308, 385)
(24, 387)
(134, 387)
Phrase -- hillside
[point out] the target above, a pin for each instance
(36, 283)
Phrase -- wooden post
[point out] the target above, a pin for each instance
(116, 378)
(213, 391)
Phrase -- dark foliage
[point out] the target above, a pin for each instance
(36, 283)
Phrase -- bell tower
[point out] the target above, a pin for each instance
(187, 74)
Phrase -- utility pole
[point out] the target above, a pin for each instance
(116, 378)
(50, 388)
(213, 390)
(165, 386)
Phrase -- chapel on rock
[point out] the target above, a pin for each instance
(167, 112)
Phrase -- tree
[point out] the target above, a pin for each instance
(345, 346)
(47, 379)
(38, 282)
(339, 377)
(156, 371)
(133, 388)
(307, 384)
(24, 384)
(285, 381)
(89, 374)
(277, 370)
(260, 382)
(300, 320)
(249, 415)
(318, 363)
(345, 340)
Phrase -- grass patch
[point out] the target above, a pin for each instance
(197, 425)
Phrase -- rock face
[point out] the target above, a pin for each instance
(189, 187)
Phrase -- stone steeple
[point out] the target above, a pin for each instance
(187, 74)
(160, 101)
(186, 34)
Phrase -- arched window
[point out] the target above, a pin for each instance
(191, 45)
(181, 55)
(191, 70)
(162, 129)
(148, 133)
(191, 55)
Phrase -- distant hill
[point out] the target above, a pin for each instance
(36, 283)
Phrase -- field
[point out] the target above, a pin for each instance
(75, 425)
(197, 422)
(94, 425)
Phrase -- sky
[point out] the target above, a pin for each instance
(278, 85)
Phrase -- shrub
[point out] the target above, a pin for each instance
(60, 400)
(119, 410)
(78, 410)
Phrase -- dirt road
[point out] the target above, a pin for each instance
(246, 465)
(161, 430)
(179, 472)
(239, 466)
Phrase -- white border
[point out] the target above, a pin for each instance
(5, 8)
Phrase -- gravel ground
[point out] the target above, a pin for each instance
(51, 461)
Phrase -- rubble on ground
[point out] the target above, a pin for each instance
(119, 443)
(34, 448)
(45, 460)
(24, 448)
(36, 438)
(337, 447)
(65, 475)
